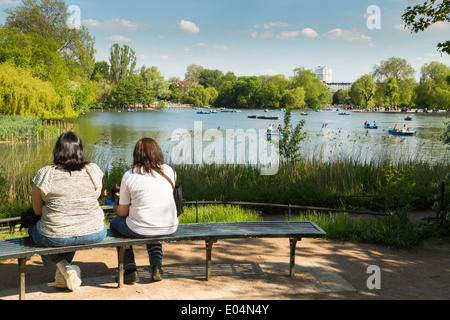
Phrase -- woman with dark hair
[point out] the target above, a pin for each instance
(146, 208)
(65, 196)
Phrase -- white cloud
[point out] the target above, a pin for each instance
(291, 35)
(8, 2)
(276, 24)
(400, 27)
(162, 57)
(440, 25)
(217, 47)
(429, 57)
(114, 25)
(347, 35)
(188, 27)
(262, 35)
(119, 39)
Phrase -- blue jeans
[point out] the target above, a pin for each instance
(51, 260)
(119, 225)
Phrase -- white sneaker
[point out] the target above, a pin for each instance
(72, 277)
(60, 281)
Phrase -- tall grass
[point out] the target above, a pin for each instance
(400, 234)
(219, 213)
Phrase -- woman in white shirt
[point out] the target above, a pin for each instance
(146, 208)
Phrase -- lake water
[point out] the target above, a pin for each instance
(111, 136)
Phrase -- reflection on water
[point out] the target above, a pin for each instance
(111, 136)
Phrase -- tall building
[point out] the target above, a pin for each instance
(325, 74)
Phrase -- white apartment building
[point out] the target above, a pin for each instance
(325, 74)
(335, 86)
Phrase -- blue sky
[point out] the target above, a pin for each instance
(250, 37)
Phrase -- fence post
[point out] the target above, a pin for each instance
(196, 211)
(442, 204)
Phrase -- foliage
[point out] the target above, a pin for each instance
(292, 137)
(422, 16)
(48, 19)
(362, 91)
(155, 82)
(316, 93)
(219, 213)
(433, 90)
(402, 72)
(198, 96)
(122, 62)
(22, 94)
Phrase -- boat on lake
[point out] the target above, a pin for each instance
(252, 116)
(269, 117)
(344, 113)
(402, 132)
(371, 126)
(408, 118)
(304, 114)
(274, 133)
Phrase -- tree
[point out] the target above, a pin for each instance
(391, 91)
(269, 96)
(210, 78)
(155, 82)
(433, 90)
(363, 90)
(48, 19)
(341, 97)
(316, 93)
(131, 91)
(403, 73)
(294, 98)
(193, 73)
(290, 142)
(101, 71)
(198, 96)
(246, 91)
(122, 62)
(25, 95)
(422, 16)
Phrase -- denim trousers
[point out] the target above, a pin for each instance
(51, 260)
(155, 253)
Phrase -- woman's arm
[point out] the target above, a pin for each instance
(38, 203)
(121, 210)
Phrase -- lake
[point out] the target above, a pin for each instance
(187, 137)
(206, 138)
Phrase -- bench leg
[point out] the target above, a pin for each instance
(293, 244)
(209, 246)
(120, 256)
(22, 265)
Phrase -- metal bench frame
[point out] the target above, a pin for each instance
(24, 248)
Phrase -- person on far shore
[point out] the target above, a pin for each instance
(65, 196)
(146, 207)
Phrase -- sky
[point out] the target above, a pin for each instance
(259, 37)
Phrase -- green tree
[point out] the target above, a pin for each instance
(210, 78)
(420, 17)
(391, 91)
(48, 19)
(316, 93)
(25, 95)
(246, 91)
(292, 137)
(433, 90)
(193, 73)
(294, 98)
(403, 73)
(155, 82)
(198, 96)
(362, 91)
(341, 97)
(122, 62)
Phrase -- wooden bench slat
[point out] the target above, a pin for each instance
(25, 247)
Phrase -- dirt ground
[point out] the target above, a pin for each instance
(255, 269)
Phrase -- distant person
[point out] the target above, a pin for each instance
(146, 207)
(396, 128)
(405, 128)
(65, 196)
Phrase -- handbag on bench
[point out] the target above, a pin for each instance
(177, 194)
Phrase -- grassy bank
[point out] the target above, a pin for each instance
(18, 128)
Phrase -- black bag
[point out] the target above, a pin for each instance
(177, 195)
(28, 218)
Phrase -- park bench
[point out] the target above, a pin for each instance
(24, 248)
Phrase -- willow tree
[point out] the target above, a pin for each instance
(25, 95)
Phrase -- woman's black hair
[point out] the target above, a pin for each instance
(68, 154)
